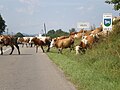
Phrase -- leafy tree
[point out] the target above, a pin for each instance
(57, 33)
(2, 25)
(51, 32)
(60, 32)
(19, 34)
(116, 4)
(72, 30)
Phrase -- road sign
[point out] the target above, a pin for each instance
(107, 21)
(83, 25)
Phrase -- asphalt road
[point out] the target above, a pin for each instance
(30, 71)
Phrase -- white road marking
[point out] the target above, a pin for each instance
(6, 50)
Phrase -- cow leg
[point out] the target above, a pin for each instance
(83, 50)
(90, 46)
(42, 48)
(18, 49)
(1, 50)
(60, 50)
(36, 48)
(48, 48)
(12, 49)
(31, 44)
(26, 45)
(22, 45)
(70, 48)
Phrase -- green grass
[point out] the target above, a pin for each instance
(98, 69)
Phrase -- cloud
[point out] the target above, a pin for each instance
(28, 10)
(85, 8)
(80, 8)
(90, 8)
(29, 6)
(26, 1)
(1, 7)
(30, 24)
(30, 2)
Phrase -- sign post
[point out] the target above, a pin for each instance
(83, 25)
(107, 22)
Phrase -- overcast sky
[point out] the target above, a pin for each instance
(28, 16)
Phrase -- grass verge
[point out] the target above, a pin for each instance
(98, 69)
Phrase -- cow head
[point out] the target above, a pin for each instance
(1, 38)
(52, 44)
(4, 39)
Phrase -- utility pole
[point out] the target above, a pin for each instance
(12, 33)
(7, 31)
(45, 29)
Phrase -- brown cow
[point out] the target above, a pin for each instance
(24, 41)
(42, 42)
(60, 44)
(61, 37)
(72, 34)
(97, 30)
(86, 42)
(81, 33)
(6, 40)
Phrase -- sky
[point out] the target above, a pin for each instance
(29, 16)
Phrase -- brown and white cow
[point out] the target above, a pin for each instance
(42, 42)
(24, 41)
(6, 40)
(86, 43)
(97, 30)
(81, 33)
(61, 44)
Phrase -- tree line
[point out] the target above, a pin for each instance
(56, 33)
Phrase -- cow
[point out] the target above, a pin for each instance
(61, 37)
(6, 40)
(81, 33)
(42, 42)
(72, 34)
(97, 30)
(24, 41)
(86, 43)
(78, 35)
(61, 44)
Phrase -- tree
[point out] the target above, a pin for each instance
(72, 30)
(19, 35)
(116, 4)
(57, 33)
(2, 25)
(60, 32)
(51, 32)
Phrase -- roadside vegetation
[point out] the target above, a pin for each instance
(97, 69)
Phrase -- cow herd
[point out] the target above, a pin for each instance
(85, 38)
